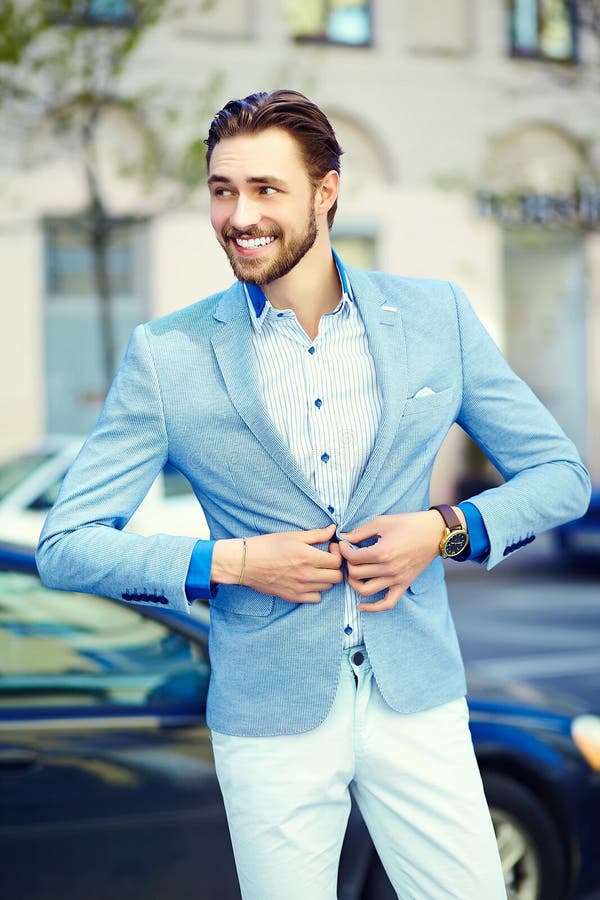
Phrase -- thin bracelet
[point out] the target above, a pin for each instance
(243, 562)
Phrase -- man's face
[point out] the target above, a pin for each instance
(262, 204)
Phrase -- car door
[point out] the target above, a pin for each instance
(107, 786)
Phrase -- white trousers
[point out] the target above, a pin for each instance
(414, 777)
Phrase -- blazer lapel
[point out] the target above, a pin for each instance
(232, 344)
(382, 317)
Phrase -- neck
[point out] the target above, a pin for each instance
(311, 289)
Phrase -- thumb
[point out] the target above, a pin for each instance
(334, 549)
(319, 535)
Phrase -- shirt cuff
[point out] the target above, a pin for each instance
(479, 542)
(197, 582)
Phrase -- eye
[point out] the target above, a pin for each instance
(268, 190)
(221, 192)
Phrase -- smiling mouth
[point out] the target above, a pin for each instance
(253, 243)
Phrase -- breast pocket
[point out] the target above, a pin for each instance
(428, 403)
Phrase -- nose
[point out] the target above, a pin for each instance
(245, 214)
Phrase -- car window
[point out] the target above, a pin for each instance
(47, 498)
(15, 471)
(63, 648)
(176, 484)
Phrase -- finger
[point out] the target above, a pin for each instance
(388, 602)
(368, 588)
(372, 570)
(309, 597)
(310, 578)
(327, 577)
(361, 532)
(324, 559)
(320, 586)
(360, 554)
(318, 535)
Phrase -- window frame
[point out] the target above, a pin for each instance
(325, 40)
(538, 54)
(358, 231)
(55, 228)
(86, 18)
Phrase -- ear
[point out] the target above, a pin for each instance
(326, 193)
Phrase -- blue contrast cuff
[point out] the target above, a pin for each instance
(479, 542)
(197, 582)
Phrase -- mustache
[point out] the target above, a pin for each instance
(230, 232)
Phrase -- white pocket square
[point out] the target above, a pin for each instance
(424, 392)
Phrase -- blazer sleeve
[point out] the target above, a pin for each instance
(82, 545)
(546, 483)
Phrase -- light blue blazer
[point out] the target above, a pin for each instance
(186, 392)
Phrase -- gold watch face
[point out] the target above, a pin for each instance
(455, 543)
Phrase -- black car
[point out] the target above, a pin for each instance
(578, 541)
(107, 785)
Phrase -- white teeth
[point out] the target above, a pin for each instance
(253, 243)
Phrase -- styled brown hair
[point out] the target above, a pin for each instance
(294, 113)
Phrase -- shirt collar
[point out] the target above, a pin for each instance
(258, 302)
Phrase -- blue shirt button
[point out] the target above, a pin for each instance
(318, 403)
(331, 508)
(325, 457)
(279, 315)
(347, 630)
(311, 349)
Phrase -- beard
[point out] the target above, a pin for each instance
(263, 271)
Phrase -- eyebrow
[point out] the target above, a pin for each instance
(254, 179)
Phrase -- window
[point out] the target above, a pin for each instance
(66, 649)
(545, 290)
(175, 484)
(107, 10)
(75, 326)
(46, 500)
(16, 471)
(331, 21)
(543, 29)
(93, 12)
(355, 248)
(70, 264)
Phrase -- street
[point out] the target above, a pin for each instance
(531, 621)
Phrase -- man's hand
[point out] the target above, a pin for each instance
(407, 543)
(285, 564)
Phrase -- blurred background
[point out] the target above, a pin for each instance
(471, 131)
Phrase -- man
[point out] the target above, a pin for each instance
(306, 405)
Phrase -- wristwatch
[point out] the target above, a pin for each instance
(456, 538)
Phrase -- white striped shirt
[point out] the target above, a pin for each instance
(323, 397)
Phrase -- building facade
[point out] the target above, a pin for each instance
(472, 153)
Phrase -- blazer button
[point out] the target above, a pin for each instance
(358, 659)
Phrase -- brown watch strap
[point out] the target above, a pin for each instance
(449, 516)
